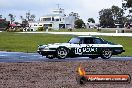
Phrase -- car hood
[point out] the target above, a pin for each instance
(55, 45)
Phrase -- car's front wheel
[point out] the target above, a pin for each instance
(106, 53)
(50, 56)
(62, 53)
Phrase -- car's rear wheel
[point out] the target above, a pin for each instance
(62, 53)
(106, 53)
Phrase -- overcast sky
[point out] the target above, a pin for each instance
(85, 8)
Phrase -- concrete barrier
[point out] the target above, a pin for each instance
(85, 33)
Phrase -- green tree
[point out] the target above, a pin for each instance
(0, 16)
(76, 15)
(129, 19)
(4, 23)
(91, 20)
(117, 14)
(22, 18)
(127, 4)
(30, 17)
(12, 18)
(79, 23)
(25, 23)
(106, 18)
(25, 20)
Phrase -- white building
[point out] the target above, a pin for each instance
(91, 25)
(56, 20)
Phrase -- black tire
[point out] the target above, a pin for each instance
(49, 56)
(92, 57)
(61, 53)
(106, 53)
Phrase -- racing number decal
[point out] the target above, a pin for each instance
(88, 49)
(78, 51)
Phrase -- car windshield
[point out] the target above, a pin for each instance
(75, 40)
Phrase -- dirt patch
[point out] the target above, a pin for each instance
(59, 74)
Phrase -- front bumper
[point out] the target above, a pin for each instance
(123, 50)
(115, 52)
(46, 52)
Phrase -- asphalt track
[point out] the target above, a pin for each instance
(35, 57)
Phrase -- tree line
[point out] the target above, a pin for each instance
(25, 19)
(111, 16)
(107, 17)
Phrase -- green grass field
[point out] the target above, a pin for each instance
(10, 41)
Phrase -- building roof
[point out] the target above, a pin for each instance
(49, 15)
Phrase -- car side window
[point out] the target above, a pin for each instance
(98, 41)
(81, 41)
(88, 41)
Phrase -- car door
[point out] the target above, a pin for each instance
(88, 46)
(78, 47)
(98, 43)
